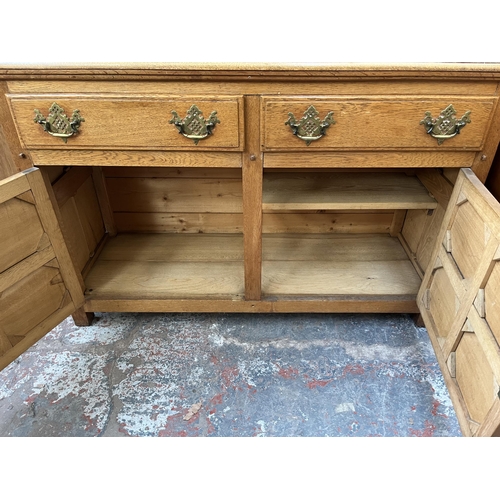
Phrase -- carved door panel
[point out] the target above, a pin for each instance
(460, 303)
(38, 284)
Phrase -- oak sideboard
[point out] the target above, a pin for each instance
(257, 188)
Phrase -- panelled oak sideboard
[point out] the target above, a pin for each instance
(257, 188)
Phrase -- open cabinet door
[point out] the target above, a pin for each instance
(38, 283)
(460, 304)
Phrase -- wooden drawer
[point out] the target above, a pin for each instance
(131, 122)
(381, 123)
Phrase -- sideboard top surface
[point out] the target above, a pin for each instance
(249, 70)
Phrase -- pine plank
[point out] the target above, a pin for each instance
(178, 222)
(337, 265)
(135, 266)
(339, 191)
(173, 248)
(328, 248)
(339, 278)
(154, 280)
(332, 222)
(175, 195)
(179, 172)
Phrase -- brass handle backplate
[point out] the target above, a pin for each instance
(310, 128)
(58, 124)
(446, 125)
(194, 126)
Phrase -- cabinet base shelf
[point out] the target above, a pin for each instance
(205, 273)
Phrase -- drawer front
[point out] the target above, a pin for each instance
(381, 123)
(132, 122)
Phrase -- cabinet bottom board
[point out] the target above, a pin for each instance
(300, 273)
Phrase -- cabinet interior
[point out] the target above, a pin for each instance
(177, 233)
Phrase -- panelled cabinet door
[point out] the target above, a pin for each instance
(460, 304)
(38, 283)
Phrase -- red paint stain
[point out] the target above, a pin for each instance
(312, 384)
(90, 423)
(216, 400)
(427, 432)
(31, 399)
(122, 429)
(355, 369)
(168, 433)
(288, 373)
(174, 427)
(229, 375)
(435, 406)
(210, 427)
(413, 408)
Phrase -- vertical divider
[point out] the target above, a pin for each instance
(252, 199)
(103, 198)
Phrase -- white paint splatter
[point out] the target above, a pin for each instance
(72, 374)
(104, 331)
(254, 368)
(218, 340)
(354, 349)
(263, 429)
(344, 407)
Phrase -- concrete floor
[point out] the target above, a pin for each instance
(229, 375)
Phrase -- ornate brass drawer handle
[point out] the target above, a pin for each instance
(194, 126)
(446, 125)
(310, 128)
(58, 124)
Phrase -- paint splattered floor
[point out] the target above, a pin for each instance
(229, 375)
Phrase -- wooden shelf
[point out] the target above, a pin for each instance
(337, 265)
(343, 191)
(168, 266)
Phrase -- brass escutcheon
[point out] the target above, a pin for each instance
(446, 125)
(310, 128)
(194, 126)
(57, 123)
